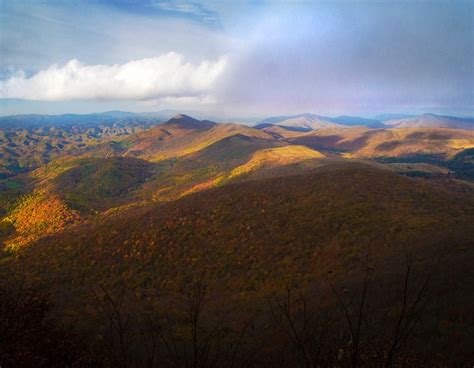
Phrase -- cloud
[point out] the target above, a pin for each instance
(339, 58)
(171, 101)
(333, 57)
(168, 75)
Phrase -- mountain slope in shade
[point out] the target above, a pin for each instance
(248, 238)
(281, 132)
(432, 121)
(100, 183)
(267, 126)
(187, 122)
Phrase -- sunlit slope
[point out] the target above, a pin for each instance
(234, 158)
(205, 168)
(36, 215)
(266, 160)
(65, 195)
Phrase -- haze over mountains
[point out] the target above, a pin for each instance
(304, 121)
(431, 121)
(313, 122)
(82, 120)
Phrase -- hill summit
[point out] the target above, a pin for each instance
(185, 121)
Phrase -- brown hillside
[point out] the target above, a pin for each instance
(179, 137)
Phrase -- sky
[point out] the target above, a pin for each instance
(237, 59)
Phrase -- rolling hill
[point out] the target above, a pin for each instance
(186, 155)
(182, 135)
(248, 211)
(23, 149)
(95, 184)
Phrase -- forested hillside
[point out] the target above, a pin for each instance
(194, 243)
(244, 248)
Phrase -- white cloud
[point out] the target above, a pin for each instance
(180, 102)
(168, 75)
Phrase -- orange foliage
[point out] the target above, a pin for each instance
(38, 215)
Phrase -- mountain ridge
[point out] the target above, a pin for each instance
(313, 122)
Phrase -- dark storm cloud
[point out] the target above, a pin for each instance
(358, 56)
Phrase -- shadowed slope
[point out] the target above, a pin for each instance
(101, 183)
(280, 132)
(248, 235)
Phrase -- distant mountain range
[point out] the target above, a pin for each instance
(30, 141)
(308, 122)
(298, 122)
(432, 121)
(184, 154)
(117, 118)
